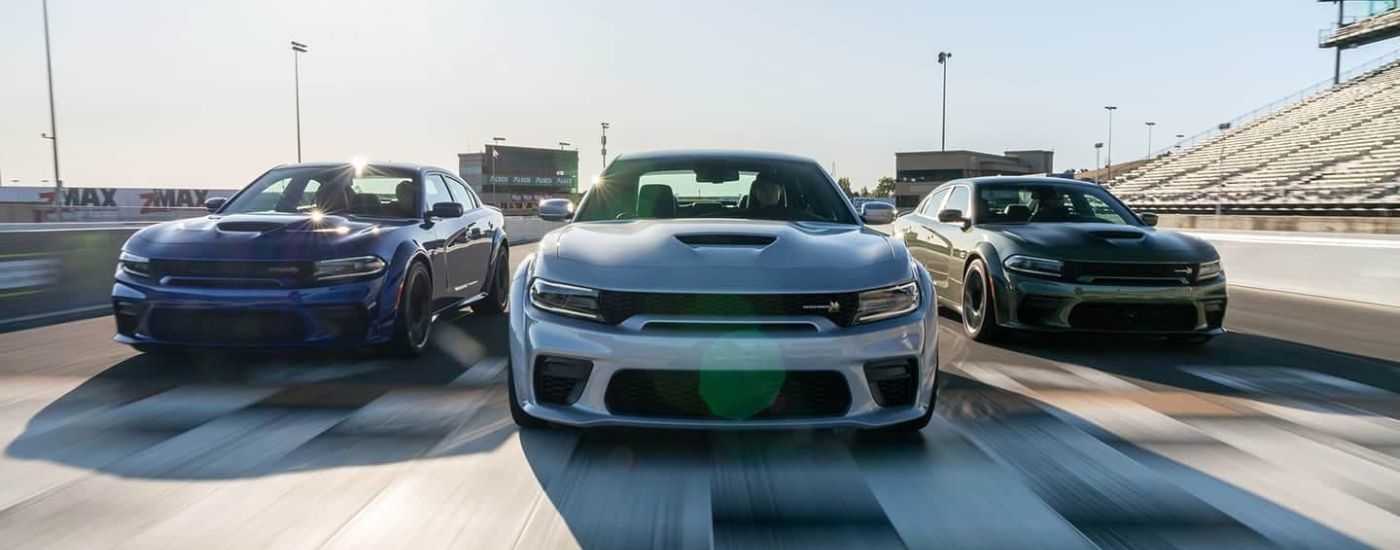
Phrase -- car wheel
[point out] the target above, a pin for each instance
(1189, 341)
(517, 413)
(497, 296)
(414, 320)
(979, 312)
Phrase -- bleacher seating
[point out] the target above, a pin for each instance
(1338, 146)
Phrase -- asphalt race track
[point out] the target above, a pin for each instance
(1283, 432)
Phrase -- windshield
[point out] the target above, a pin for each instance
(339, 190)
(1047, 203)
(715, 188)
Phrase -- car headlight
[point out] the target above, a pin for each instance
(327, 270)
(133, 264)
(574, 301)
(1044, 267)
(884, 303)
(1208, 271)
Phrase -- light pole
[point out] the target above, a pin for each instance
(564, 145)
(297, 48)
(1098, 148)
(1220, 160)
(943, 58)
(1179, 137)
(1149, 139)
(1110, 110)
(52, 136)
(604, 141)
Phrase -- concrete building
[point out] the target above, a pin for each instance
(516, 179)
(917, 173)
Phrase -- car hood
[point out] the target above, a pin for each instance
(258, 237)
(1102, 242)
(717, 256)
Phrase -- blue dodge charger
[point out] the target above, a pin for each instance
(329, 255)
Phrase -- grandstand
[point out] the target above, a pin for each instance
(1338, 147)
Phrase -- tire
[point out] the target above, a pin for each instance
(979, 312)
(499, 294)
(1189, 341)
(413, 322)
(517, 413)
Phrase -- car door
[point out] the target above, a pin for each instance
(958, 239)
(481, 227)
(925, 242)
(451, 281)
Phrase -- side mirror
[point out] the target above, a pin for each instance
(214, 204)
(951, 216)
(446, 210)
(865, 217)
(1148, 218)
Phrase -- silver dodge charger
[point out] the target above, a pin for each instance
(717, 289)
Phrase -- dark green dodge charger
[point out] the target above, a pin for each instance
(1052, 255)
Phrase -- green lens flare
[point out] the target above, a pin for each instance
(741, 375)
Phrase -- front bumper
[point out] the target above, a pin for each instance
(341, 315)
(1043, 305)
(631, 346)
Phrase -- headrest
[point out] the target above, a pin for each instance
(656, 201)
(1018, 212)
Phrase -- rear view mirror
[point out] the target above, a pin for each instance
(446, 210)
(716, 174)
(1148, 218)
(214, 204)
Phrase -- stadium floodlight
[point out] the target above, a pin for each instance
(297, 48)
(943, 58)
(1149, 138)
(52, 136)
(1109, 166)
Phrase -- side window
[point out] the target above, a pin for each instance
(436, 191)
(309, 196)
(935, 203)
(1101, 210)
(958, 200)
(464, 195)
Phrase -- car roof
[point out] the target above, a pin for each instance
(1021, 179)
(715, 154)
(404, 166)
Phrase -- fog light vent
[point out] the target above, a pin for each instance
(560, 380)
(892, 381)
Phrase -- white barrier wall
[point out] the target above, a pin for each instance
(1361, 268)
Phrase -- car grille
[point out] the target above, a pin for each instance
(226, 326)
(728, 395)
(231, 274)
(1131, 317)
(620, 306)
(1129, 274)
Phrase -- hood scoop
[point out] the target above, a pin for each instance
(725, 239)
(1117, 234)
(249, 227)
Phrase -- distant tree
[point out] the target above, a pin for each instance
(885, 188)
(845, 184)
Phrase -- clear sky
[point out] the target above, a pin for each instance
(198, 93)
